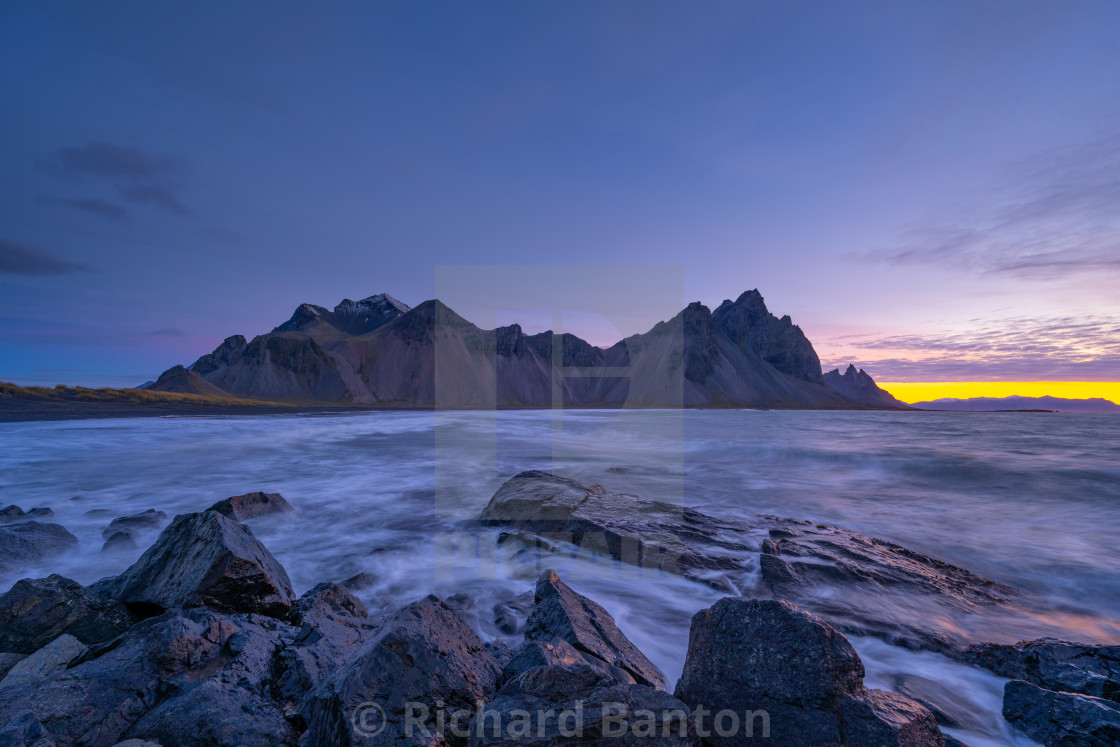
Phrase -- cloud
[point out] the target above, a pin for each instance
(167, 332)
(139, 176)
(103, 208)
(18, 258)
(1052, 215)
(1028, 349)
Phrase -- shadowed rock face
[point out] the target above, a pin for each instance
(378, 350)
(859, 386)
(425, 653)
(204, 560)
(771, 656)
(36, 611)
(1059, 719)
(576, 660)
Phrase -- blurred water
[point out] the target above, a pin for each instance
(1029, 499)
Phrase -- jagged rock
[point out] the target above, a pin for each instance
(119, 540)
(649, 534)
(36, 611)
(1054, 665)
(30, 541)
(574, 667)
(189, 678)
(144, 520)
(24, 730)
(1060, 719)
(204, 560)
(425, 653)
(333, 627)
(808, 563)
(769, 655)
(252, 505)
(559, 612)
(53, 657)
(860, 387)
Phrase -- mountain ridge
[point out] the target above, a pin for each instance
(1017, 402)
(379, 351)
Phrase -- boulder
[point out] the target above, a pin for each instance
(1054, 665)
(579, 680)
(122, 539)
(29, 542)
(53, 657)
(767, 655)
(333, 628)
(511, 615)
(149, 519)
(645, 533)
(204, 560)
(425, 654)
(10, 513)
(560, 613)
(1060, 719)
(36, 611)
(252, 505)
(188, 678)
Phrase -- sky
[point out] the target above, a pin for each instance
(930, 190)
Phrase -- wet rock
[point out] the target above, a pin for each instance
(575, 681)
(252, 505)
(29, 542)
(24, 730)
(559, 612)
(36, 611)
(40, 514)
(53, 657)
(630, 529)
(119, 540)
(860, 584)
(1061, 719)
(333, 627)
(510, 616)
(149, 519)
(1054, 665)
(885, 587)
(137, 743)
(204, 560)
(10, 513)
(360, 581)
(769, 655)
(177, 679)
(425, 653)
(948, 707)
(98, 513)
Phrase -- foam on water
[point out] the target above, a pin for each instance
(1032, 500)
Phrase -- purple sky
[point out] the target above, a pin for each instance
(930, 189)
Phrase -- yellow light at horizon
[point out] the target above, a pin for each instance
(923, 391)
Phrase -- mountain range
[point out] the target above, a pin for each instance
(988, 404)
(379, 351)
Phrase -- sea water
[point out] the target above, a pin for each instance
(1029, 499)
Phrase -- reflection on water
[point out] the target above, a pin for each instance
(1032, 500)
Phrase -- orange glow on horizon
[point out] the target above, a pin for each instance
(923, 391)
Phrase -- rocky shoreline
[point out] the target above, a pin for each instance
(203, 641)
